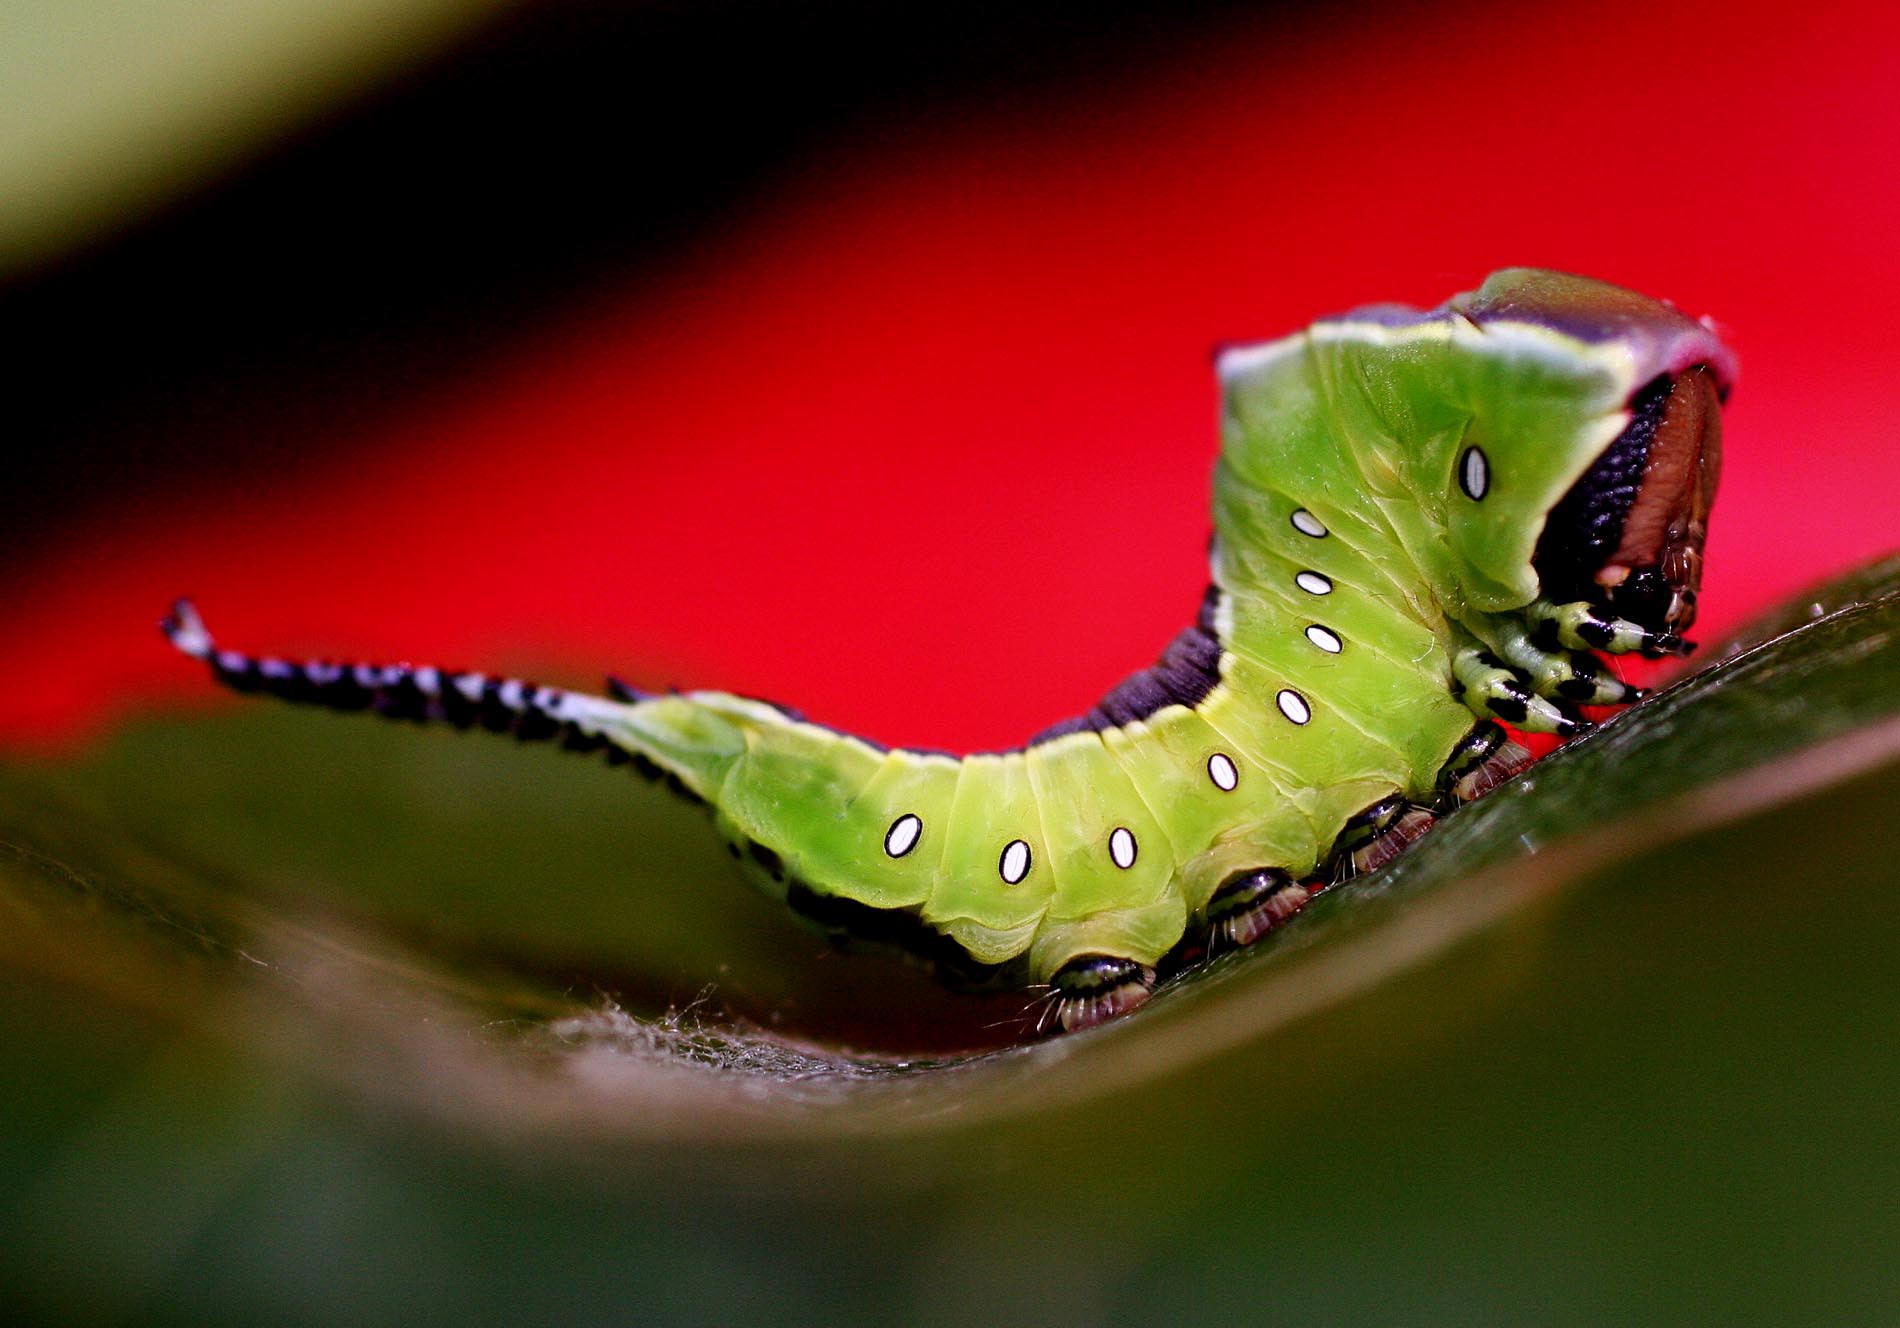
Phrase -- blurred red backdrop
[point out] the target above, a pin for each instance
(921, 442)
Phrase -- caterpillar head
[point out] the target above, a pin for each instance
(1627, 534)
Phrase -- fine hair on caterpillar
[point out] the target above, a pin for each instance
(1427, 525)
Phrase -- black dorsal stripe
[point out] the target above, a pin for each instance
(1210, 605)
(1188, 670)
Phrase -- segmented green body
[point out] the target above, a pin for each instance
(1380, 491)
(1384, 481)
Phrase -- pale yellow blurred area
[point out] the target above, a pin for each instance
(108, 108)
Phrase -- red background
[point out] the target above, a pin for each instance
(920, 439)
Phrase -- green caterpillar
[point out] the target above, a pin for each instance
(1425, 523)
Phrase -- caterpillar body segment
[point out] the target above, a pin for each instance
(1424, 522)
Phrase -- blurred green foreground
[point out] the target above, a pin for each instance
(310, 1019)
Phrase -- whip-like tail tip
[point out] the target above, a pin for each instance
(186, 630)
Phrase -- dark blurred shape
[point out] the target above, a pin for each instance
(561, 148)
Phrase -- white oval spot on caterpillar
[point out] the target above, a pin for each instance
(1308, 524)
(1121, 847)
(1014, 864)
(1324, 639)
(903, 835)
(1293, 705)
(1220, 769)
(1474, 473)
(1313, 583)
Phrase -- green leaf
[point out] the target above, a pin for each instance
(112, 106)
(316, 1019)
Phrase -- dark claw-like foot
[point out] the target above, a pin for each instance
(1365, 826)
(1092, 988)
(1483, 760)
(1248, 906)
(1410, 827)
(1378, 834)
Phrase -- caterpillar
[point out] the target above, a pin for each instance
(1427, 525)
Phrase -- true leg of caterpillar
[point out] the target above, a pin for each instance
(1091, 988)
(1482, 760)
(1582, 626)
(1561, 675)
(1494, 691)
(1250, 904)
(1373, 837)
(412, 692)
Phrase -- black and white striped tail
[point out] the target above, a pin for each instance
(413, 692)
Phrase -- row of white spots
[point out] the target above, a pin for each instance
(1292, 704)
(1016, 859)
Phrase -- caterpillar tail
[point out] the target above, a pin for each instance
(665, 738)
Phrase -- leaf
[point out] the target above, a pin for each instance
(311, 1018)
(120, 103)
